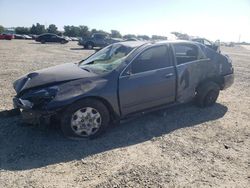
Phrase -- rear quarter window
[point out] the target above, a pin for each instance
(185, 53)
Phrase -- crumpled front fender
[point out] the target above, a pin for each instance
(72, 91)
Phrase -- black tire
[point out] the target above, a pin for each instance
(63, 42)
(89, 45)
(67, 116)
(43, 41)
(207, 94)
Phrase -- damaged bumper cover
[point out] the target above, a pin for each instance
(31, 116)
(36, 117)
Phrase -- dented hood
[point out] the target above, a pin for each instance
(59, 73)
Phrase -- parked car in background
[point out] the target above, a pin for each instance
(74, 38)
(33, 36)
(98, 40)
(48, 37)
(123, 79)
(212, 45)
(67, 38)
(230, 44)
(17, 36)
(132, 39)
(27, 37)
(6, 36)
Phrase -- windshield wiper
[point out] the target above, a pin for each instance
(86, 69)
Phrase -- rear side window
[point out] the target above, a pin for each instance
(151, 59)
(99, 36)
(206, 42)
(185, 53)
(47, 36)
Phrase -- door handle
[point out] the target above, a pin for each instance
(169, 75)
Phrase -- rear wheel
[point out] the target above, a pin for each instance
(43, 41)
(89, 45)
(207, 94)
(85, 119)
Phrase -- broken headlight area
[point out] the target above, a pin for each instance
(35, 98)
(26, 104)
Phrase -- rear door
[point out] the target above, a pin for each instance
(192, 67)
(47, 38)
(148, 81)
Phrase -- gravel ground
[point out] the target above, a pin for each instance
(183, 146)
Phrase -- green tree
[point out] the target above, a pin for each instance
(37, 29)
(71, 31)
(182, 36)
(98, 31)
(144, 37)
(103, 32)
(84, 31)
(22, 30)
(115, 34)
(1, 29)
(158, 37)
(129, 36)
(52, 29)
(93, 31)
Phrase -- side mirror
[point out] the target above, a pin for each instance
(128, 72)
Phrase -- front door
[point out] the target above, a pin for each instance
(54, 38)
(149, 81)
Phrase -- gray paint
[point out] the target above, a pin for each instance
(126, 94)
(59, 73)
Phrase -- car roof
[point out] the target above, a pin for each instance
(47, 34)
(198, 38)
(132, 44)
(139, 43)
(176, 42)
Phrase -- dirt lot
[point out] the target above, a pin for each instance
(181, 146)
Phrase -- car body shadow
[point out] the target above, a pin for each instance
(82, 48)
(77, 48)
(50, 43)
(31, 147)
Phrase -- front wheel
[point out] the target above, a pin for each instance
(85, 119)
(207, 94)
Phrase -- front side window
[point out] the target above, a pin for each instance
(48, 36)
(151, 59)
(185, 53)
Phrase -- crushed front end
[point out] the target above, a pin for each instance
(33, 105)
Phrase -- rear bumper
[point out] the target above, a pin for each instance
(228, 81)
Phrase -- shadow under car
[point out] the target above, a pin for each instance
(30, 147)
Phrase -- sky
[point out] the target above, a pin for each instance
(227, 20)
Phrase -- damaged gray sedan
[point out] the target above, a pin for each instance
(120, 80)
